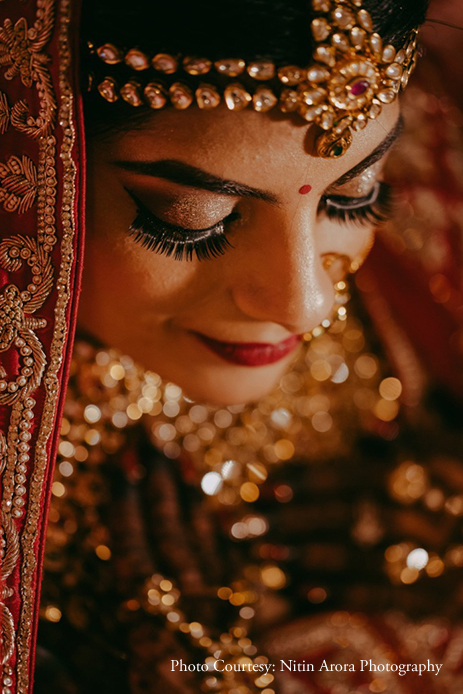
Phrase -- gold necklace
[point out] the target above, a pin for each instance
(232, 449)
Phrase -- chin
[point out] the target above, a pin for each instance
(203, 377)
(231, 386)
(213, 380)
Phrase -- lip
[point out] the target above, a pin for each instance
(251, 353)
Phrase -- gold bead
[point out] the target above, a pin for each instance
(108, 89)
(343, 17)
(325, 54)
(130, 92)
(321, 5)
(236, 97)
(291, 75)
(230, 67)
(318, 74)
(261, 70)
(196, 66)
(110, 54)
(181, 95)
(320, 29)
(207, 97)
(137, 60)
(389, 53)
(364, 19)
(264, 99)
(166, 63)
(155, 95)
(357, 36)
(289, 100)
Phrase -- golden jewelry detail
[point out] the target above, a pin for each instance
(333, 386)
(116, 395)
(357, 262)
(234, 450)
(352, 76)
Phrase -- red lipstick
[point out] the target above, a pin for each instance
(251, 353)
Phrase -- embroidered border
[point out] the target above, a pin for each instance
(22, 56)
(57, 349)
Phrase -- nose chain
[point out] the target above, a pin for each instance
(341, 297)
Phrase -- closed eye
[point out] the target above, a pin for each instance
(375, 207)
(179, 242)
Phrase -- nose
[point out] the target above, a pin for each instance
(282, 278)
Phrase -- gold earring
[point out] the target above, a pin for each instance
(358, 261)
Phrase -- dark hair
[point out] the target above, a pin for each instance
(249, 29)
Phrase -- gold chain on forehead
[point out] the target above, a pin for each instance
(351, 77)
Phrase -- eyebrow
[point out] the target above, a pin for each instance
(186, 175)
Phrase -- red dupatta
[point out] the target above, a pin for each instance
(41, 206)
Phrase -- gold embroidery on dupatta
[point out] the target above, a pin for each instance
(21, 54)
(16, 327)
(4, 113)
(57, 348)
(18, 184)
(21, 185)
(9, 560)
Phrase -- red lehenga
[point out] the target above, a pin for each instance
(363, 499)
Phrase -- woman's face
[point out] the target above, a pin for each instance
(224, 325)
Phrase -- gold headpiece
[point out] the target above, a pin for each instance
(350, 79)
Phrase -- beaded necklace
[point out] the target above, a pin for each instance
(230, 451)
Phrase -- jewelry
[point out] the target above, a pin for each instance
(352, 76)
(232, 450)
(359, 259)
(119, 393)
(116, 395)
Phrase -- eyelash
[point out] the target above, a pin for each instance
(185, 244)
(171, 240)
(374, 208)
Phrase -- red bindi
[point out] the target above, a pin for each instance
(303, 190)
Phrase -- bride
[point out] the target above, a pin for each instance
(215, 234)
(237, 447)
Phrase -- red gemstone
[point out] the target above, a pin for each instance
(359, 87)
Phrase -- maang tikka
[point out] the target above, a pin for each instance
(351, 77)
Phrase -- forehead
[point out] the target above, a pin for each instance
(262, 150)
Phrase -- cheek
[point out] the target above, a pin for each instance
(123, 274)
(120, 273)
